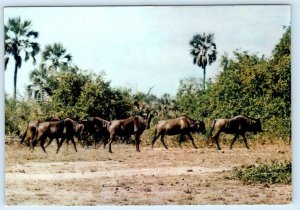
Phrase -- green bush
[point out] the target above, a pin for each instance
(272, 173)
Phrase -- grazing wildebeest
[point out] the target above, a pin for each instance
(98, 128)
(64, 129)
(32, 128)
(238, 125)
(182, 125)
(134, 125)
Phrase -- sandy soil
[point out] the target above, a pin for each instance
(153, 177)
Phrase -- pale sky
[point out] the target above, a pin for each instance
(141, 47)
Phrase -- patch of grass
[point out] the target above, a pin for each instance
(272, 173)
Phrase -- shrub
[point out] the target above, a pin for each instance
(273, 173)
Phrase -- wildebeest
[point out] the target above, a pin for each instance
(32, 128)
(65, 129)
(182, 125)
(134, 125)
(238, 125)
(98, 128)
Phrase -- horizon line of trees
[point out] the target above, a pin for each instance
(249, 85)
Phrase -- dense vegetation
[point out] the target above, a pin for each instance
(248, 84)
(272, 173)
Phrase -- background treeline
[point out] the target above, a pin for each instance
(248, 84)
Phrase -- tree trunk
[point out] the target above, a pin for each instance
(204, 74)
(15, 80)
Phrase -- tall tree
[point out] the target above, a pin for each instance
(55, 56)
(204, 51)
(19, 42)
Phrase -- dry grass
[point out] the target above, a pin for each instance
(125, 177)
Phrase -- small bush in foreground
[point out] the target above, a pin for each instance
(275, 172)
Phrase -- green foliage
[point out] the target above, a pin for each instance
(272, 173)
(80, 95)
(18, 113)
(249, 85)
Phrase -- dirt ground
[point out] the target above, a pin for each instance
(178, 176)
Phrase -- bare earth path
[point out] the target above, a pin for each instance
(152, 177)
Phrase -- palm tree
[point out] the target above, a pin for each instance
(55, 56)
(54, 59)
(41, 83)
(19, 43)
(204, 51)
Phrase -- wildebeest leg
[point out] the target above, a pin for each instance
(57, 141)
(233, 140)
(80, 142)
(215, 138)
(104, 142)
(162, 140)
(180, 140)
(42, 144)
(191, 138)
(31, 145)
(68, 141)
(245, 140)
(155, 137)
(73, 142)
(60, 144)
(49, 142)
(137, 142)
(111, 139)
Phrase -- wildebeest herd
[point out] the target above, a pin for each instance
(106, 132)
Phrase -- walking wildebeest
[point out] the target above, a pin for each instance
(32, 128)
(98, 128)
(64, 129)
(134, 125)
(238, 125)
(182, 125)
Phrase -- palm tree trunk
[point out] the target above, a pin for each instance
(15, 80)
(204, 74)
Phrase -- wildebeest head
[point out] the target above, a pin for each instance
(199, 127)
(256, 126)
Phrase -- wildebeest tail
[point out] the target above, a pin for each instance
(24, 135)
(211, 130)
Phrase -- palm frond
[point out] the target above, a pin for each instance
(26, 56)
(34, 34)
(195, 60)
(68, 57)
(6, 59)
